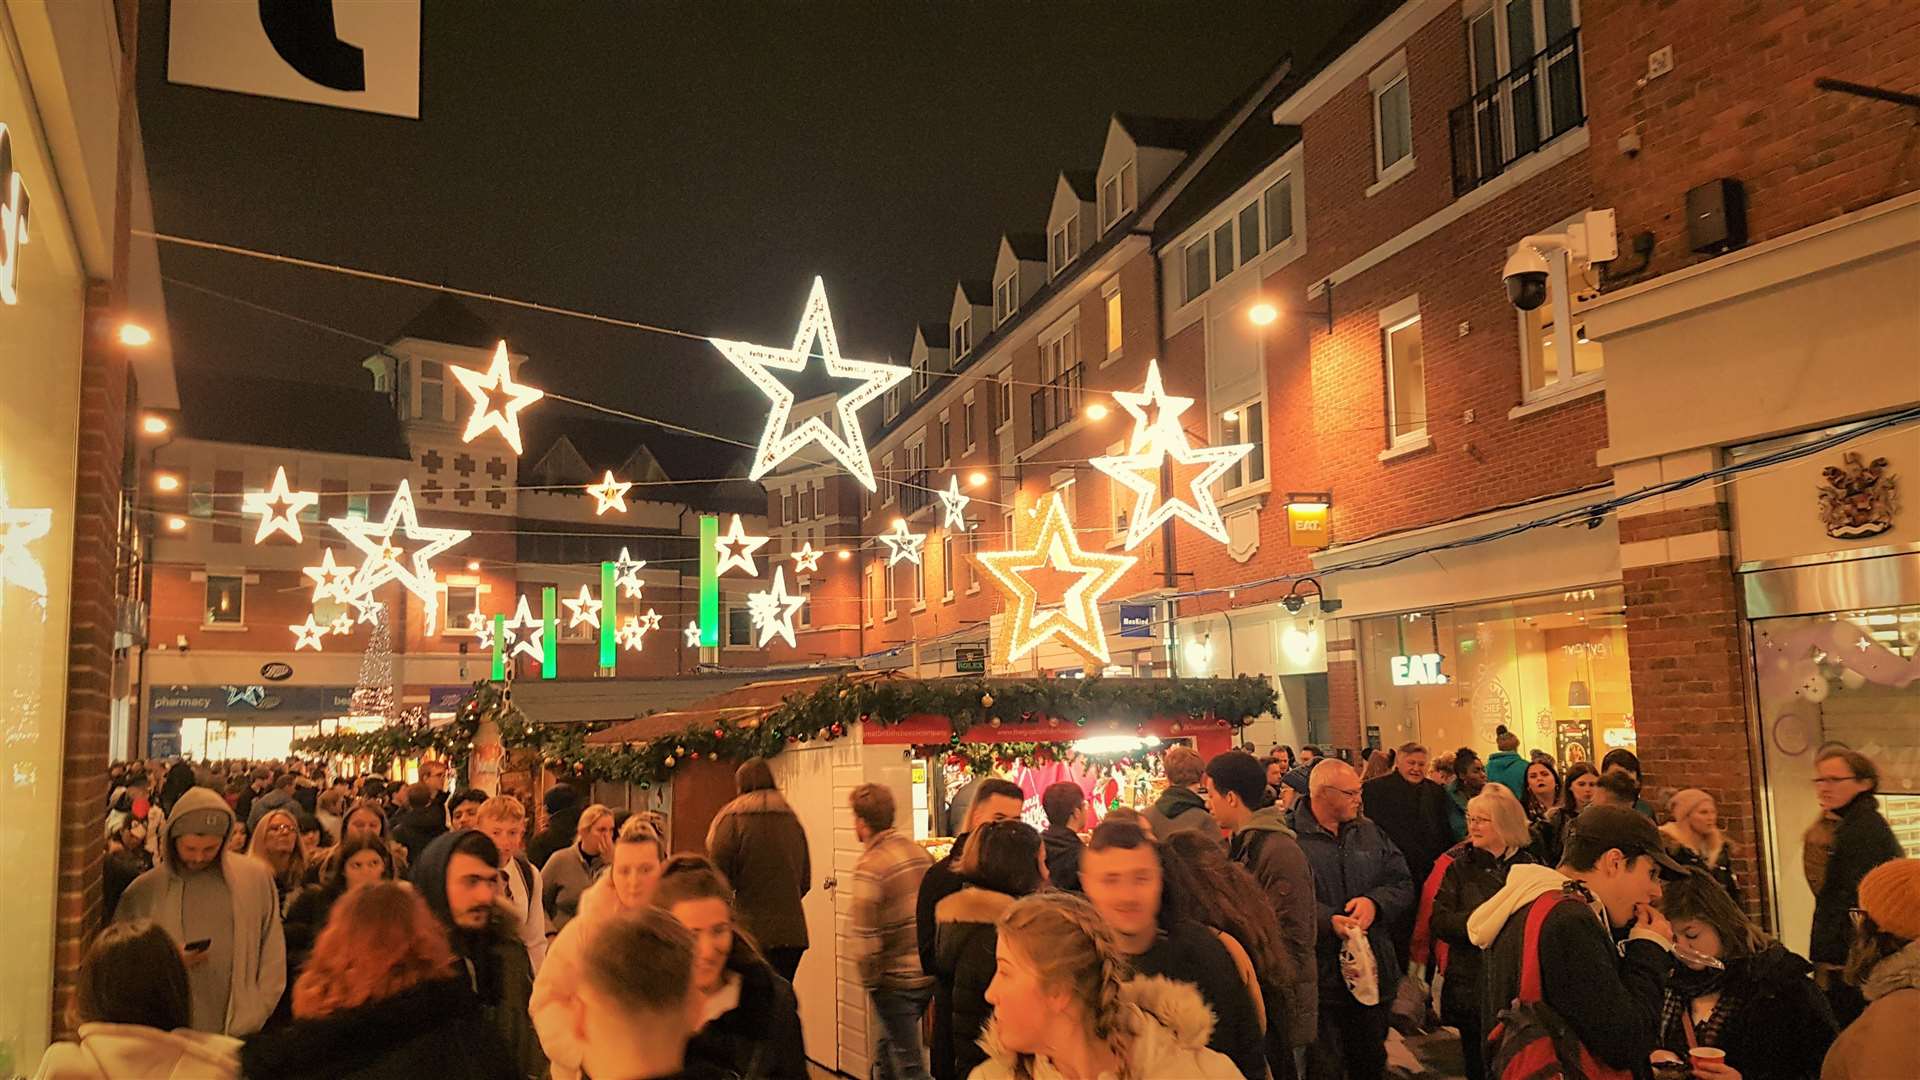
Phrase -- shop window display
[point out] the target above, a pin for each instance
(1553, 669)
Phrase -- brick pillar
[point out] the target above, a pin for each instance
(104, 407)
(1686, 637)
(1343, 695)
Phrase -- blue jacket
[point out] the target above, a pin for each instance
(1509, 768)
(1361, 861)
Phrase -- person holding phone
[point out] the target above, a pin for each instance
(222, 909)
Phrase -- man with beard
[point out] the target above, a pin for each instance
(222, 909)
(459, 876)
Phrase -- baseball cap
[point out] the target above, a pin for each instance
(1630, 831)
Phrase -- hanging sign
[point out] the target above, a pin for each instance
(352, 55)
(1307, 524)
(1136, 620)
(1419, 669)
(970, 660)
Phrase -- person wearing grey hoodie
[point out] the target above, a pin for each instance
(222, 909)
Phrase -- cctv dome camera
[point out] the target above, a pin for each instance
(1526, 277)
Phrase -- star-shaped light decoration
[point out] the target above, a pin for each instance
(773, 610)
(497, 399)
(632, 633)
(651, 620)
(585, 609)
(626, 571)
(1165, 409)
(279, 507)
(383, 563)
(806, 558)
(1075, 620)
(1159, 440)
(526, 633)
(736, 549)
(20, 526)
(482, 627)
(307, 635)
(759, 362)
(366, 609)
(331, 581)
(902, 544)
(692, 634)
(955, 505)
(610, 494)
(341, 625)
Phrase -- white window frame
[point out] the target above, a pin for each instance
(1006, 297)
(1267, 241)
(1265, 481)
(1121, 202)
(893, 401)
(1567, 385)
(1188, 294)
(962, 337)
(789, 506)
(1398, 317)
(1063, 246)
(921, 377)
(966, 419)
(1003, 392)
(1253, 197)
(945, 428)
(1496, 11)
(887, 590)
(887, 480)
(946, 566)
(451, 624)
(1113, 312)
(439, 380)
(1380, 80)
(726, 629)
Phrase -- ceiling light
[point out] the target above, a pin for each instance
(135, 335)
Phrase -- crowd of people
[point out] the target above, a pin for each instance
(1267, 917)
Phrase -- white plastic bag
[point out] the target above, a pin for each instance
(1357, 967)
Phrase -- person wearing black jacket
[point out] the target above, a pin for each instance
(1760, 1005)
(1123, 877)
(1497, 839)
(1844, 782)
(1002, 864)
(1360, 880)
(1066, 808)
(758, 1037)
(1610, 996)
(563, 823)
(1413, 811)
(994, 800)
(420, 822)
(459, 877)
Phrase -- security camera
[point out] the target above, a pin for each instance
(1526, 276)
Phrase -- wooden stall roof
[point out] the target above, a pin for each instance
(741, 703)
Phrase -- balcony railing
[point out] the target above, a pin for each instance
(1517, 114)
(1056, 402)
(915, 493)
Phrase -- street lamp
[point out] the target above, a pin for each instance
(155, 424)
(176, 524)
(976, 478)
(134, 335)
(1263, 313)
(166, 482)
(1096, 411)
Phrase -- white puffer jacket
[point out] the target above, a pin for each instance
(1171, 1025)
(113, 1051)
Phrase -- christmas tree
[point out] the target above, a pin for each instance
(374, 693)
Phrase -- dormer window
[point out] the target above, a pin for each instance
(962, 338)
(432, 390)
(1117, 196)
(893, 402)
(920, 376)
(1063, 245)
(1006, 298)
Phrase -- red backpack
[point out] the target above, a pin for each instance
(1530, 1041)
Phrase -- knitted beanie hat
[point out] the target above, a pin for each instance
(1890, 895)
(1684, 802)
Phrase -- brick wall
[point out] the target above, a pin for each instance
(1740, 103)
(105, 402)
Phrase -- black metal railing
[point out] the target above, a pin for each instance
(1056, 402)
(1516, 114)
(915, 493)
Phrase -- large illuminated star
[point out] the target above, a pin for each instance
(331, 581)
(1140, 474)
(279, 507)
(610, 494)
(585, 609)
(19, 527)
(626, 574)
(497, 399)
(1166, 409)
(526, 634)
(773, 610)
(806, 558)
(736, 549)
(1076, 619)
(902, 544)
(383, 563)
(307, 635)
(955, 505)
(758, 362)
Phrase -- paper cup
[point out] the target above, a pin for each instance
(1707, 1053)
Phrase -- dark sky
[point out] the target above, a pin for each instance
(686, 164)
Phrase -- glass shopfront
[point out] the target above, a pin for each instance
(42, 304)
(1552, 669)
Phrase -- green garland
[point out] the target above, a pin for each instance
(827, 712)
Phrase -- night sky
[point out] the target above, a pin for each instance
(686, 164)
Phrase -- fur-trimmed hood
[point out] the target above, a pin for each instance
(1901, 971)
(1171, 1025)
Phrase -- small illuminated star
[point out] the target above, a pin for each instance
(342, 624)
(774, 610)
(331, 580)
(736, 549)
(651, 620)
(806, 558)
(632, 633)
(307, 635)
(692, 633)
(1167, 409)
(279, 507)
(627, 575)
(497, 399)
(527, 633)
(1863, 644)
(18, 528)
(955, 505)
(902, 544)
(610, 494)
(586, 609)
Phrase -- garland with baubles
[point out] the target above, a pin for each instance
(825, 713)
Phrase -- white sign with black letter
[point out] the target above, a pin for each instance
(354, 54)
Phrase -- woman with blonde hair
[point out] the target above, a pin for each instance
(1694, 837)
(381, 997)
(277, 842)
(1498, 837)
(570, 871)
(1065, 1006)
